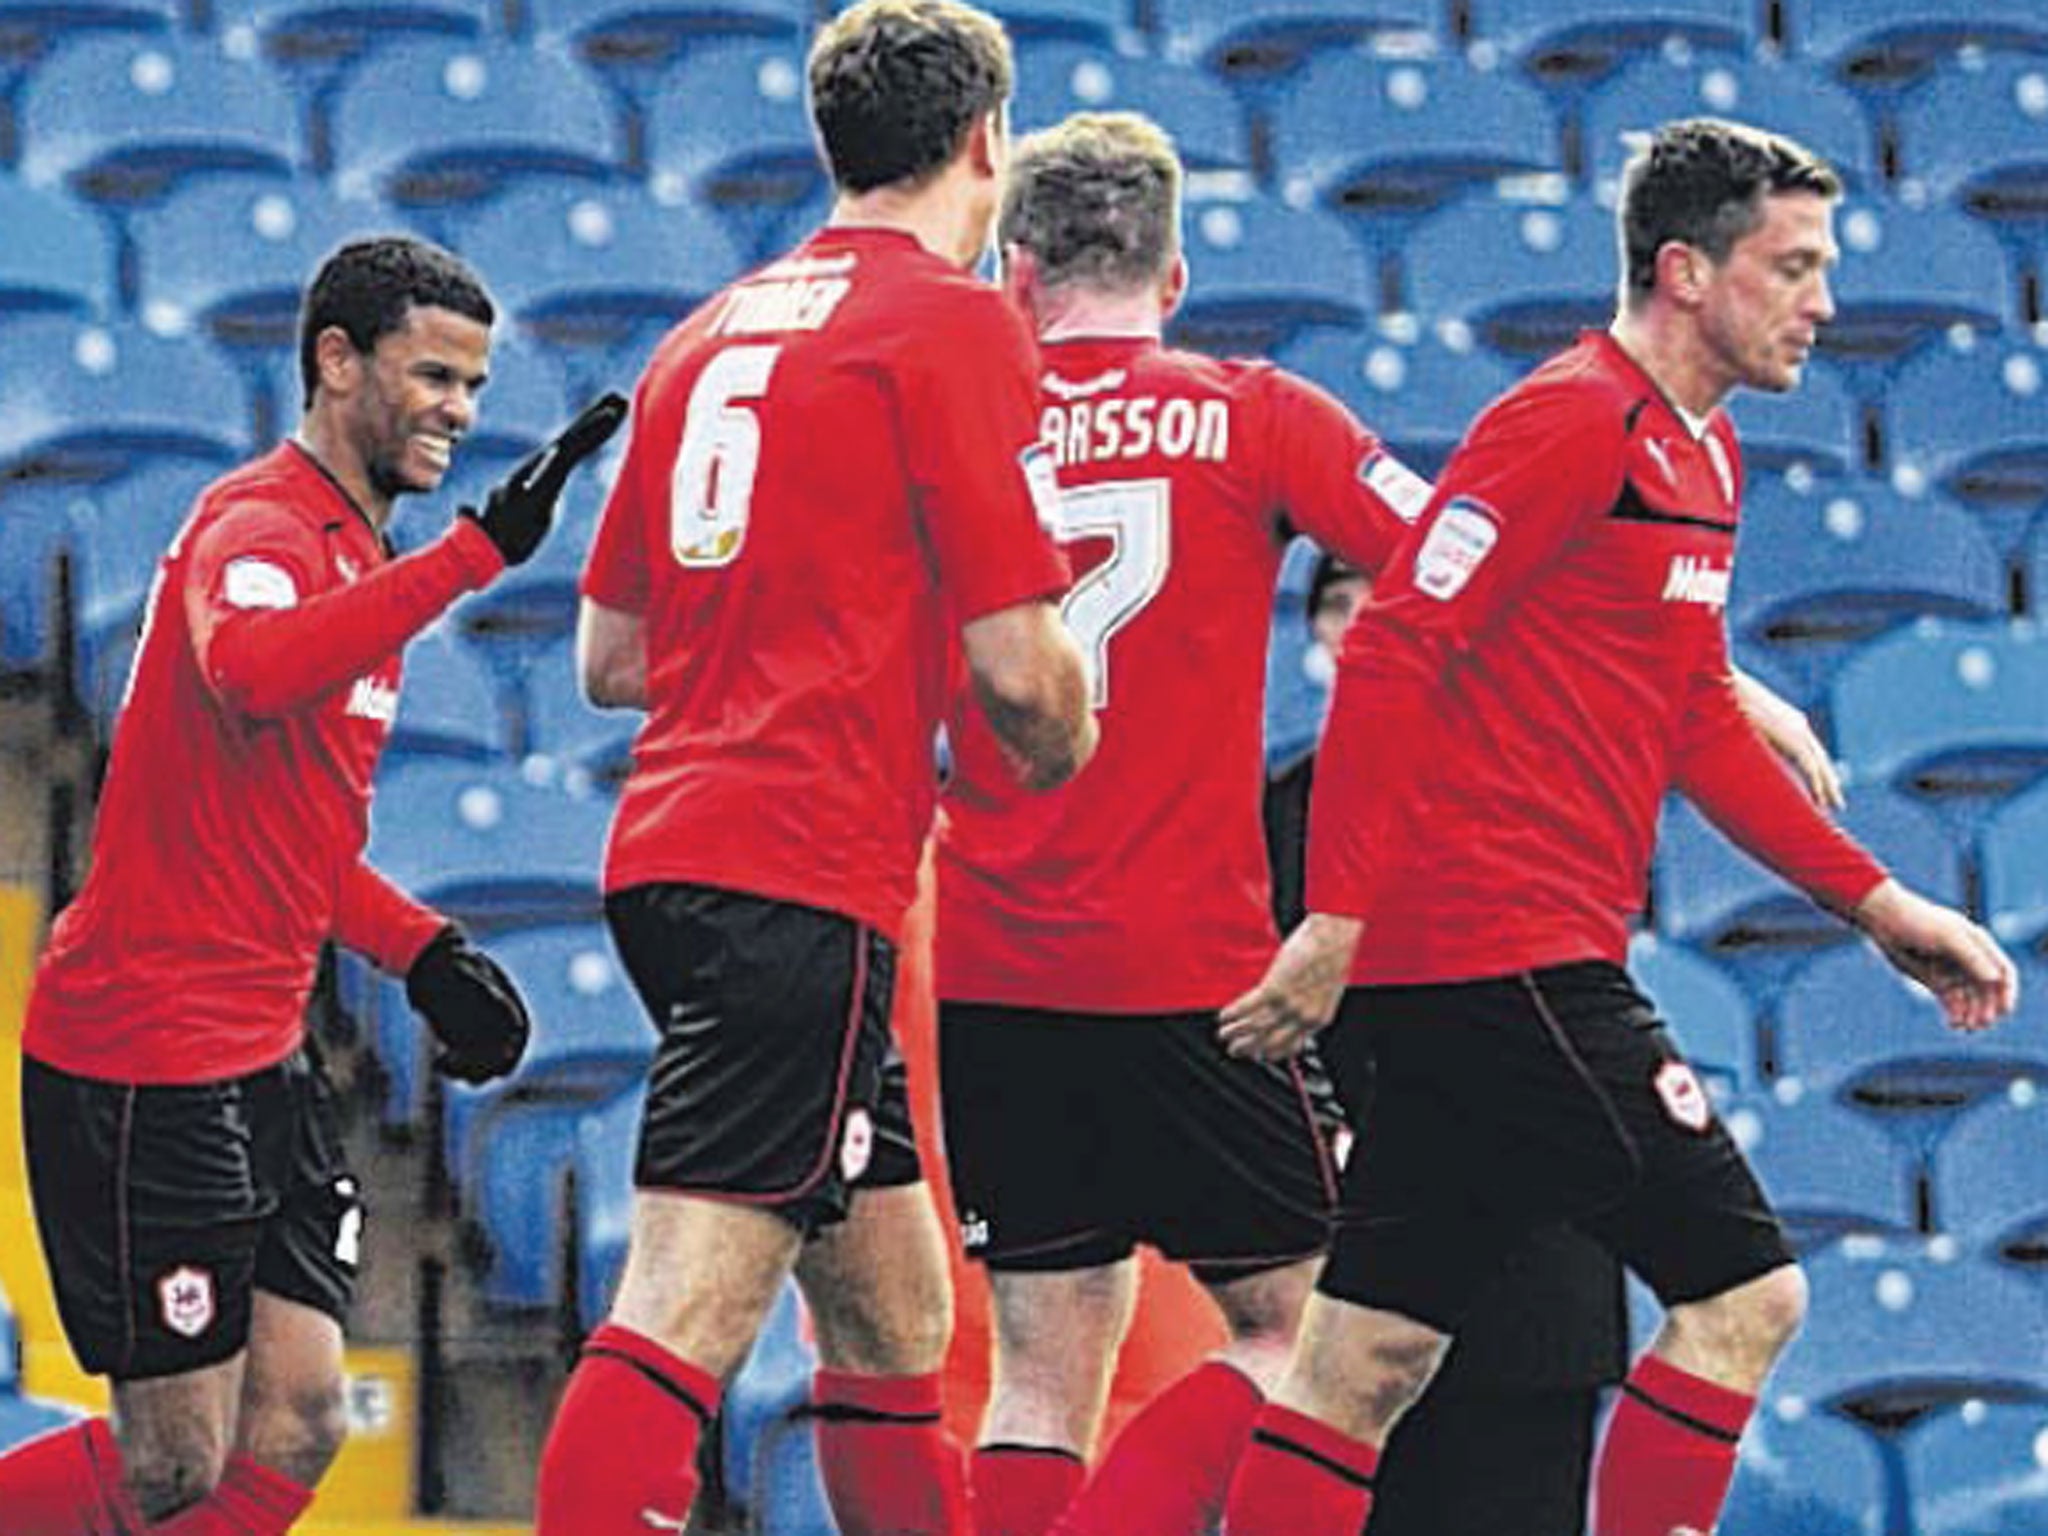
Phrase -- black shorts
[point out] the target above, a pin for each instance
(777, 1081)
(164, 1208)
(1509, 1103)
(1072, 1138)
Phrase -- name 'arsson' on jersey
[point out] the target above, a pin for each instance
(1131, 427)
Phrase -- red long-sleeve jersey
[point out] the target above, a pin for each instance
(229, 841)
(1543, 659)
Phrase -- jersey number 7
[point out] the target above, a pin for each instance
(1134, 516)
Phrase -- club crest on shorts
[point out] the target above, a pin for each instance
(856, 1145)
(185, 1299)
(1684, 1100)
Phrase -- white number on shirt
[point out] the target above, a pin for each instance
(712, 489)
(1132, 514)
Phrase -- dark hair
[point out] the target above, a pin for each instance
(367, 286)
(1329, 570)
(1097, 200)
(896, 84)
(1703, 181)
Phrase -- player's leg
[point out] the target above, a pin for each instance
(1034, 1148)
(881, 1299)
(1230, 1171)
(1700, 1231)
(760, 1087)
(150, 1215)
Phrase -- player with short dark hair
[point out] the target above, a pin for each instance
(828, 522)
(184, 1153)
(1085, 939)
(1543, 659)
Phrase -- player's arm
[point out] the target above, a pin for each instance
(1787, 731)
(1724, 768)
(1329, 477)
(1535, 467)
(1032, 683)
(267, 648)
(479, 1020)
(611, 656)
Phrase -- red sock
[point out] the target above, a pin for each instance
(624, 1440)
(1300, 1477)
(1669, 1452)
(67, 1483)
(890, 1468)
(1019, 1490)
(1168, 1471)
(251, 1500)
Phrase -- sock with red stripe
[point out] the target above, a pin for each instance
(1300, 1477)
(890, 1468)
(621, 1459)
(250, 1500)
(67, 1483)
(1168, 1471)
(1669, 1452)
(1020, 1490)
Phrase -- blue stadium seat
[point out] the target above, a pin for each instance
(516, 1207)
(650, 35)
(1250, 42)
(36, 531)
(30, 30)
(1707, 1013)
(593, 268)
(1974, 422)
(728, 128)
(1821, 573)
(1262, 273)
(447, 706)
(558, 722)
(1804, 432)
(122, 119)
(601, 1203)
(232, 254)
(442, 122)
(1399, 136)
(1207, 123)
(1710, 894)
(1990, 1179)
(1910, 276)
(1852, 1031)
(339, 31)
(2015, 860)
(86, 402)
(1419, 398)
(1830, 1173)
(1982, 1471)
(57, 257)
(1898, 1335)
(590, 1040)
(1955, 713)
(1877, 41)
(1785, 97)
(1972, 136)
(1522, 278)
(1810, 1473)
(1567, 38)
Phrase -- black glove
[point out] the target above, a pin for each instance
(521, 507)
(469, 1002)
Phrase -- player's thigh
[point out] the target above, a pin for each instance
(1506, 1464)
(1033, 1137)
(151, 1210)
(767, 1086)
(879, 1291)
(1226, 1164)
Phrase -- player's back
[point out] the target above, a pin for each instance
(799, 523)
(1143, 885)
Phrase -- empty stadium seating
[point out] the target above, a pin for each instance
(1972, 136)
(1567, 38)
(1706, 1012)
(1981, 1471)
(1207, 123)
(1800, 434)
(1417, 398)
(1251, 42)
(1990, 1180)
(1523, 278)
(1881, 40)
(57, 257)
(1973, 421)
(447, 706)
(1909, 277)
(1830, 1173)
(2015, 860)
(1264, 274)
(1811, 1473)
(651, 34)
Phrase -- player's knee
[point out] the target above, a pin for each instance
(1749, 1325)
(300, 1435)
(885, 1336)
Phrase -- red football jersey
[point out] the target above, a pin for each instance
(833, 467)
(229, 841)
(1143, 885)
(1543, 659)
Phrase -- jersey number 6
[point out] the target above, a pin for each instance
(712, 487)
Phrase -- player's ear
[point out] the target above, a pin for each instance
(1020, 279)
(986, 144)
(337, 363)
(1174, 288)
(1682, 272)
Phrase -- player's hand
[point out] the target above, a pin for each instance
(474, 1010)
(521, 507)
(1787, 732)
(1954, 958)
(1299, 993)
